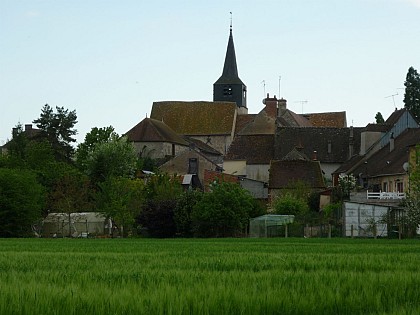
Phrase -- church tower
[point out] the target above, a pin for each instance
(229, 88)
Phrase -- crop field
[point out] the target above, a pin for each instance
(209, 276)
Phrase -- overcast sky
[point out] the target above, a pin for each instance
(109, 60)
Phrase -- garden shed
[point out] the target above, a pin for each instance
(82, 224)
(270, 225)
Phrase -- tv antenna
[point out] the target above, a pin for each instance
(301, 103)
(279, 86)
(393, 97)
(263, 83)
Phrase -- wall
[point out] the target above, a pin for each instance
(257, 189)
(358, 215)
(237, 168)
(258, 172)
(220, 143)
(157, 150)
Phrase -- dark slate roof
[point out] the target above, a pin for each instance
(395, 116)
(196, 118)
(230, 69)
(284, 173)
(349, 164)
(151, 130)
(255, 149)
(378, 127)
(333, 119)
(385, 162)
(295, 155)
(317, 139)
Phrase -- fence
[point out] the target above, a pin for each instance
(385, 195)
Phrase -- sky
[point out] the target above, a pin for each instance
(110, 60)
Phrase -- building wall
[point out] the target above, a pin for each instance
(257, 189)
(367, 139)
(157, 150)
(258, 172)
(359, 215)
(391, 183)
(220, 143)
(237, 168)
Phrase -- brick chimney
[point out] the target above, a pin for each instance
(271, 105)
(282, 105)
(28, 127)
(315, 156)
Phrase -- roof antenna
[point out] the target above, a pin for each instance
(393, 98)
(230, 21)
(279, 86)
(301, 103)
(263, 83)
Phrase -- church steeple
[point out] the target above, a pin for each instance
(229, 86)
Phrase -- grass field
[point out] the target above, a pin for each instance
(215, 276)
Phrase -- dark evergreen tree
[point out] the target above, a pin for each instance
(412, 92)
(58, 129)
(379, 118)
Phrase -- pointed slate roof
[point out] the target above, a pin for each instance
(230, 69)
(151, 130)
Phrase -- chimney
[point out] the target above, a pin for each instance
(391, 143)
(270, 105)
(314, 156)
(351, 142)
(282, 104)
(28, 127)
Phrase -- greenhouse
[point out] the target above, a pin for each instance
(270, 225)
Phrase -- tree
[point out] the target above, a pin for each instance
(162, 193)
(115, 157)
(412, 202)
(58, 129)
(412, 92)
(121, 199)
(94, 137)
(21, 202)
(379, 118)
(287, 204)
(224, 211)
(183, 211)
(71, 193)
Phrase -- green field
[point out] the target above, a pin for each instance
(209, 276)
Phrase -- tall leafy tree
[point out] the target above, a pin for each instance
(21, 202)
(94, 137)
(121, 199)
(225, 211)
(412, 92)
(115, 157)
(58, 128)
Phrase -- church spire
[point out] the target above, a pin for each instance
(229, 86)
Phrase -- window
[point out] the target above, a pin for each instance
(192, 166)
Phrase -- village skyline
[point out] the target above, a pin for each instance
(110, 62)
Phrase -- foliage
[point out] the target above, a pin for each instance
(287, 204)
(121, 199)
(58, 128)
(92, 138)
(379, 118)
(412, 202)
(224, 211)
(346, 183)
(21, 202)
(412, 92)
(71, 193)
(157, 218)
(115, 157)
(183, 211)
